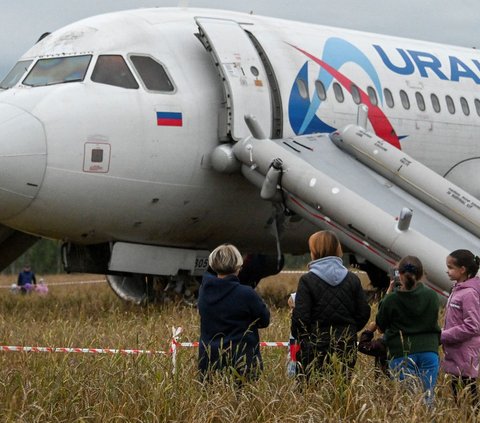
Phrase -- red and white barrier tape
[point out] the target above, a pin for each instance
(17, 348)
(175, 344)
(262, 344)
(62, 283)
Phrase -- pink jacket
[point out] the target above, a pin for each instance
(461, 334)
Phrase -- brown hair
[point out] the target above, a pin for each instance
(467, 259)
(324, 244)
(412, 269)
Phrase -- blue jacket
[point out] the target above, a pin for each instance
(230, 315)
(25, 278)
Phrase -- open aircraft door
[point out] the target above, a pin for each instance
(245, 80)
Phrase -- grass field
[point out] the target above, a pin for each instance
(69, 387)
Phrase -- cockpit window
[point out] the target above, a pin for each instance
(152, 73)
(58, 70)
(112, 70)
(15, 74)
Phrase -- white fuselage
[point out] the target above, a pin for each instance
(155, 183)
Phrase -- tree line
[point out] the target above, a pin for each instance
(44, 257)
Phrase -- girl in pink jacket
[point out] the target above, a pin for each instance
(461, 334)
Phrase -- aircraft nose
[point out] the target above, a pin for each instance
(23, 158)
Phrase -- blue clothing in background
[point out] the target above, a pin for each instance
(26, 277)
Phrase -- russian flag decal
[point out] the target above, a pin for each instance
(169, 119)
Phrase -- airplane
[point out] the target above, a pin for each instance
(145, 138)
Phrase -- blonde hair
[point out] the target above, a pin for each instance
(324, 244)
(225, 259)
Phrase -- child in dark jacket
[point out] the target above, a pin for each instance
(230, 316)
(374, 347)
(330, 308)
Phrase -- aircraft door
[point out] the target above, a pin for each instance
(245, 80)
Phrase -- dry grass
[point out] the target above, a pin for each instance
(54, 387)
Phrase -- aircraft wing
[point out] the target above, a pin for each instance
(332, 189)
(377, 190)
(13, 244)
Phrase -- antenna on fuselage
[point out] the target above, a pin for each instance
(183, 4)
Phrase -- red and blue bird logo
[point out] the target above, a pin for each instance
(337, 52)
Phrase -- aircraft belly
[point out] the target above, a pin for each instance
(112, 208)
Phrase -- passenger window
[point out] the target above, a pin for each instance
(58, 70)
(388, 97)
(450, 104)
(420, 101)
(15, 74)
(320, 88)
(435, 103)
(477, 106)
(152, 74)
(302, 88)
(465, 106)
(112, 70)
(356, 94)
(405, 99)
(337, 89)
(372, 95)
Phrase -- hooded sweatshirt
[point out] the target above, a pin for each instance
(409, 320)
(329, 297)
(330, 269)
(230, 315)
(461, 333)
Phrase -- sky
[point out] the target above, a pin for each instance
(444, 21)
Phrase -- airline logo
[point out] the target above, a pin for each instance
(336, 53)
(406, 62)
(169, 119)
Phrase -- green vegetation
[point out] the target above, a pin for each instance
(44, 257)
(56, 387)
